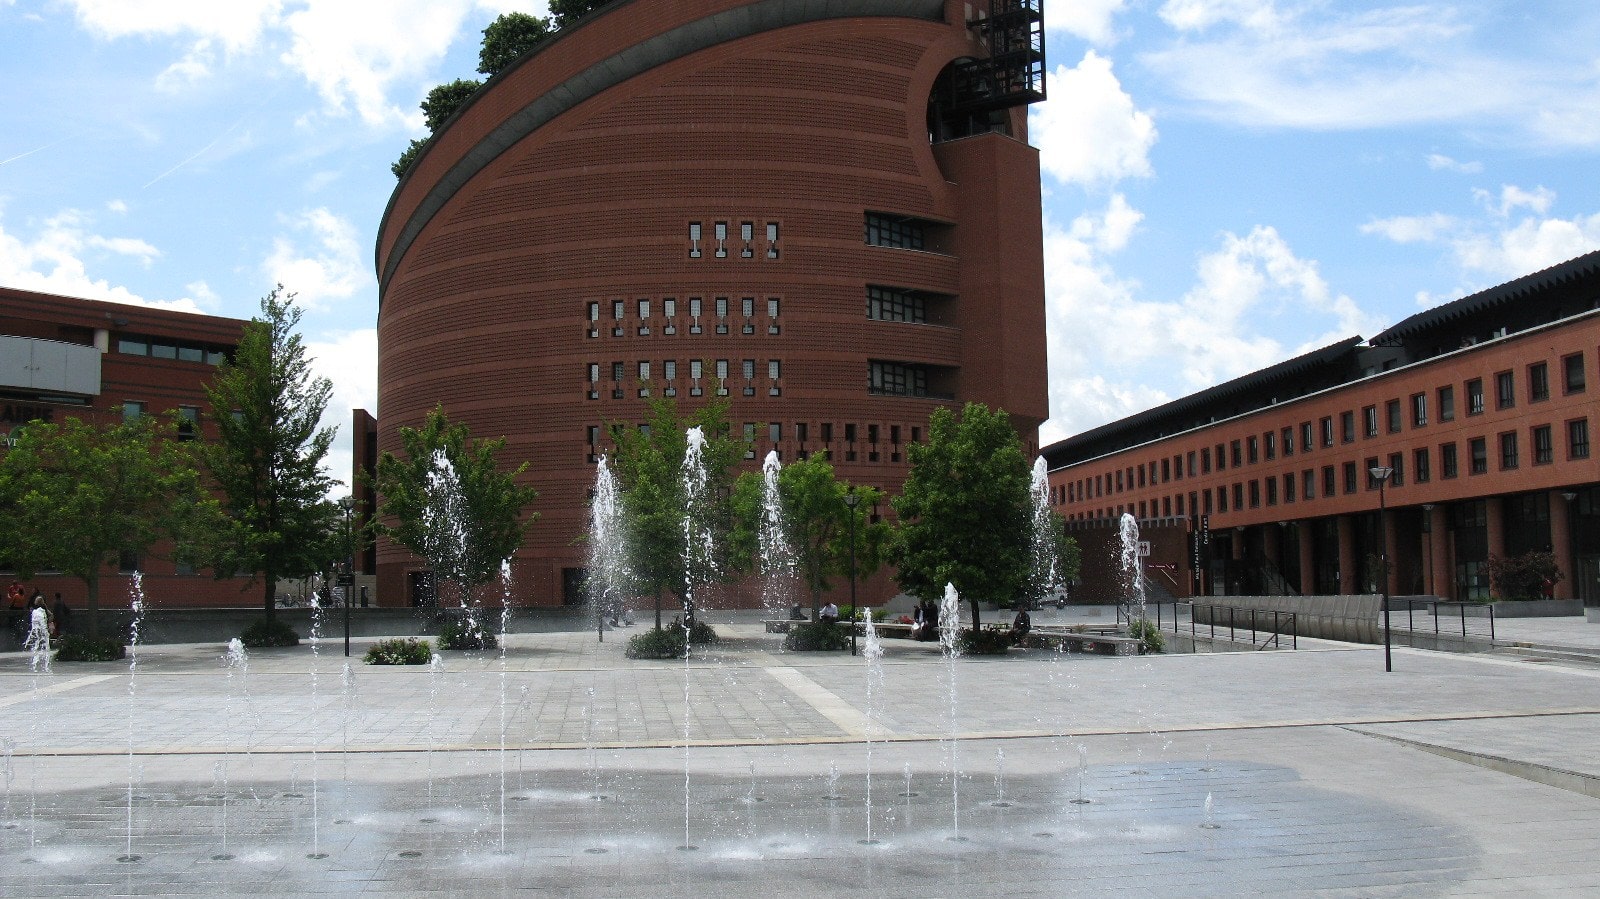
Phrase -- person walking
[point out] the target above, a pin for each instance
(39, 626)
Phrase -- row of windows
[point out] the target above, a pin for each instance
(896, 379)
(162, 348)
(895, 231)
(880, 443)
(696, 371)
(669, 308)
(188, 417)
(1268, 446)
(1348, 477)
(746, 247)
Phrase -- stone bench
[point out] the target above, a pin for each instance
(1102, 644)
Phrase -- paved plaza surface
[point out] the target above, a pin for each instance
(562, 768)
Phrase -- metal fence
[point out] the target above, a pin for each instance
(1449, 619)
(1262, 628)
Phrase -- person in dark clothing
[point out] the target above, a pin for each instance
(1020, 625)
(60, 617)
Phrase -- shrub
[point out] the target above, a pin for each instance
(983, 643)
(817, 636)
(1527, 576)
(400, 651)
(264, 632)
(666, 643)
(702, 633)
(460, 634)
(80, 648)
(1148, 634)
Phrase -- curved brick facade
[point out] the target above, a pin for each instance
(542, 263)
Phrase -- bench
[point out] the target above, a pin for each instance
(1102, 644)
(782, 625)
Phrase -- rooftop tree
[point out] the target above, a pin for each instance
(508, 37)
(267, 461)
(965, 512)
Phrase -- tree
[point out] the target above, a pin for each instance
(508, 37)
(649, 465)
(403, 164)
(82, 496)
(965, 511)
(443, 101)
(448, 501)
(267, 460)
(816, 523)
(567, 12)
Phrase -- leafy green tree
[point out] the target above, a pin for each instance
(267, 462)
(816, 522)
(403, 164)
(965, 514)
(443, 101)
(448, 501)
(567, 12)
(508, 37)
(81, 495)
(649, 467)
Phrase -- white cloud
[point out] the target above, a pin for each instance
(331, 268)
(1497, 246)
(118, 207)
(1441, 163)
(1088, 19)
(1411, 228)
(1089, 131)
(1247, 291)
(193, 68)
(235, 23)
(52, 260)
(1339, 66)
(349, 359)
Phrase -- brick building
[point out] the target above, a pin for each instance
(1483, 409)
(62, 357)
(831, 210)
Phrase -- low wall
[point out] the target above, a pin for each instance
(1532, 608)
(221, 625)
(1353, 619)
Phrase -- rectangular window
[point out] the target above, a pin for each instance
(132, 347)
(694, 240)
(669, 308)
(1235, 454)
(1255, 450)
(1368, 465)
(890, 231)
(1238, 496)
(891, 305)
(190, 354)
(1419, 466)
(896, 379)
(1350, 480)
(127, 562)
(1419, 410)
(1369, 420)
(1543, 445)
(1205, 461)
(669, 370)
(747, 233)
(1448, 468)
(1255, 494)
(722, 240)
(772, 240)
(773, 369)
(1447, 403)
(827, 432)
(644, 310)
(1478, 455)
(1189, 463)
(801, 432)
(1272, 491)
(618, 310)
(1347, 427)
(1475, 396)
(1308, 484)
(644, 378)
(722, 377)
(1578, 438)
(1391, 411)
(1288, 488)
(696, 369)
(594, 380)
(774, 432)
(1330, 484)
(1397, 462)
(132, 410)
(1505, 390)
(1222, 457)
(747, 305)
(1288, 442)
(1538, 382)
(188, 422)
(772, 308)
(594, 312)
(1508, 450)
(1572, 372)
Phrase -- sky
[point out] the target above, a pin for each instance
(1227, 183)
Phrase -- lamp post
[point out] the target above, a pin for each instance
(1381, 474)
(348, 581)
(850, 501)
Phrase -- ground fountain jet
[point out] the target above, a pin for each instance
(1046, 566)
(608, 548)
(949, 630)
(777, 556)
(699, 567)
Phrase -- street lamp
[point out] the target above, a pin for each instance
(348, 504)
(1381, 474)
(850, 501)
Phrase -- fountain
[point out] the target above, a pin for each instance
(316, 656)
(608, 548)
(873, 654)
(1046, 570)
(949, 630)
(778, 562)
(699, 567)
(1132, 568)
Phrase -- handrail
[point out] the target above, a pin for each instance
(1282, 623)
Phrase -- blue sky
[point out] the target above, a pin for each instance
(1227, 182)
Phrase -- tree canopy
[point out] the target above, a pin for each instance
(965, 515)
(816, 523)
(508, 37)
(566, 12)
(649, 466)
(267, 461)
(80, 496)
(447, 500)
(443, 101)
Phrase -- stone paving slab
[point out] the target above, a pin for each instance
(1309, 763)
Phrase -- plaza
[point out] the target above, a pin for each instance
(1272, 772)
